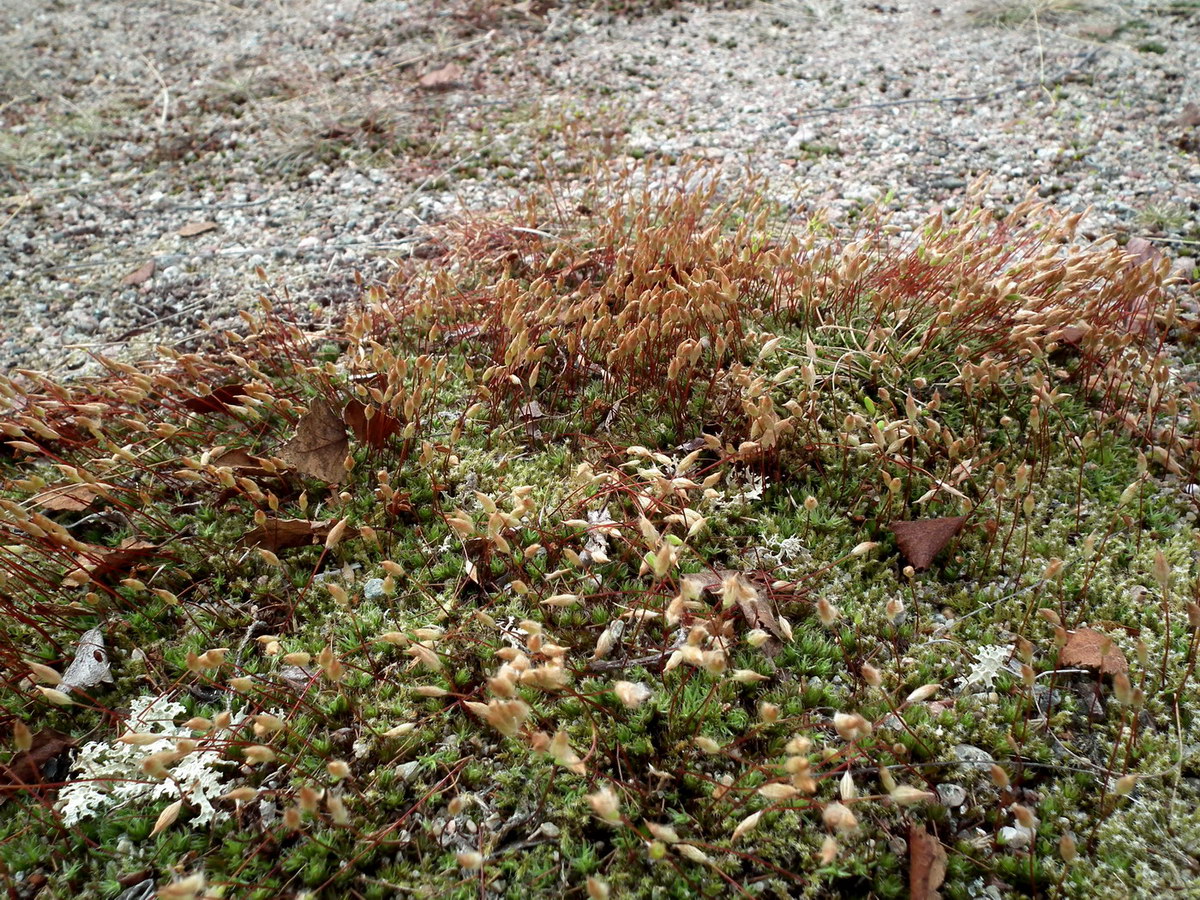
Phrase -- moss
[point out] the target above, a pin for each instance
(883, 399)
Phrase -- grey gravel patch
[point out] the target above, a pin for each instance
(304, 136)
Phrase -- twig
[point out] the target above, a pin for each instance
(1057, 78)
(166, 92)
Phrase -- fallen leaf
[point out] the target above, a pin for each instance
(755, 608)
(441, 79)
(373, 431)
(32, 769)
(926, 864)
(1142, 251)
(1087, 648)
(320, 445)
(66, 498)
(217, 401)
(90, 666)
(98, 562)
(280, 534)
(241, 461)
(194, 228)
(140, 275)
(921, 540)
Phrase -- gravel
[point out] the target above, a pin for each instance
(321, 140)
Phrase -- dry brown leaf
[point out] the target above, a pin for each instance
(921, 540)
(140, 275)
(320, 445)
(99, 562)
(66, 498)
(926, 864)
(242, 462)
(194, 228)
(217, 401)
(373, 431)
(1087, 648)
(280, 534)
(441, 79)
(36, 766)
(755, 608)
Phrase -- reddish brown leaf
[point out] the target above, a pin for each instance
(441, 79)
(218, 401)
(27, 771)
(237, 458)
(241, 462)
(194, 228)
(926, 864)
(920, 541)
(1142, 251)
(99, 562)
(140, 275)
(373, 431)
(320, 445)
(1087, 648)
(66, 498)
(280, 534)
(754, 606)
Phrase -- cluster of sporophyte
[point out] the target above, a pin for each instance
(675, 544)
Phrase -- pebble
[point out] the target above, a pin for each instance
(951, 795)
(373, 589)
(973, 756)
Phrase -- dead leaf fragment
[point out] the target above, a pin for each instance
(66, 498)
(373, 431)
(441, 79)
(97, 562)
(926, 864)
(140, 275)
(241, 462)
(90, 666)
(1087, 648)
(194, 228)
(320, 445)
(281, 534)
(217, 400)
(921, 540)
(42, 763)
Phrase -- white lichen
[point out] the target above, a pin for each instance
(108, 774)
(989, 660)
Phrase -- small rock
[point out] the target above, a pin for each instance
(951, 795)
(373, 589)
(407, 770)
(973, 756)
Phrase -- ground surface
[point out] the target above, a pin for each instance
(305, 133)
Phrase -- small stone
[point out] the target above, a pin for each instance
(951, 795)
(973, 756)
(373, 589)
(407, 770)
